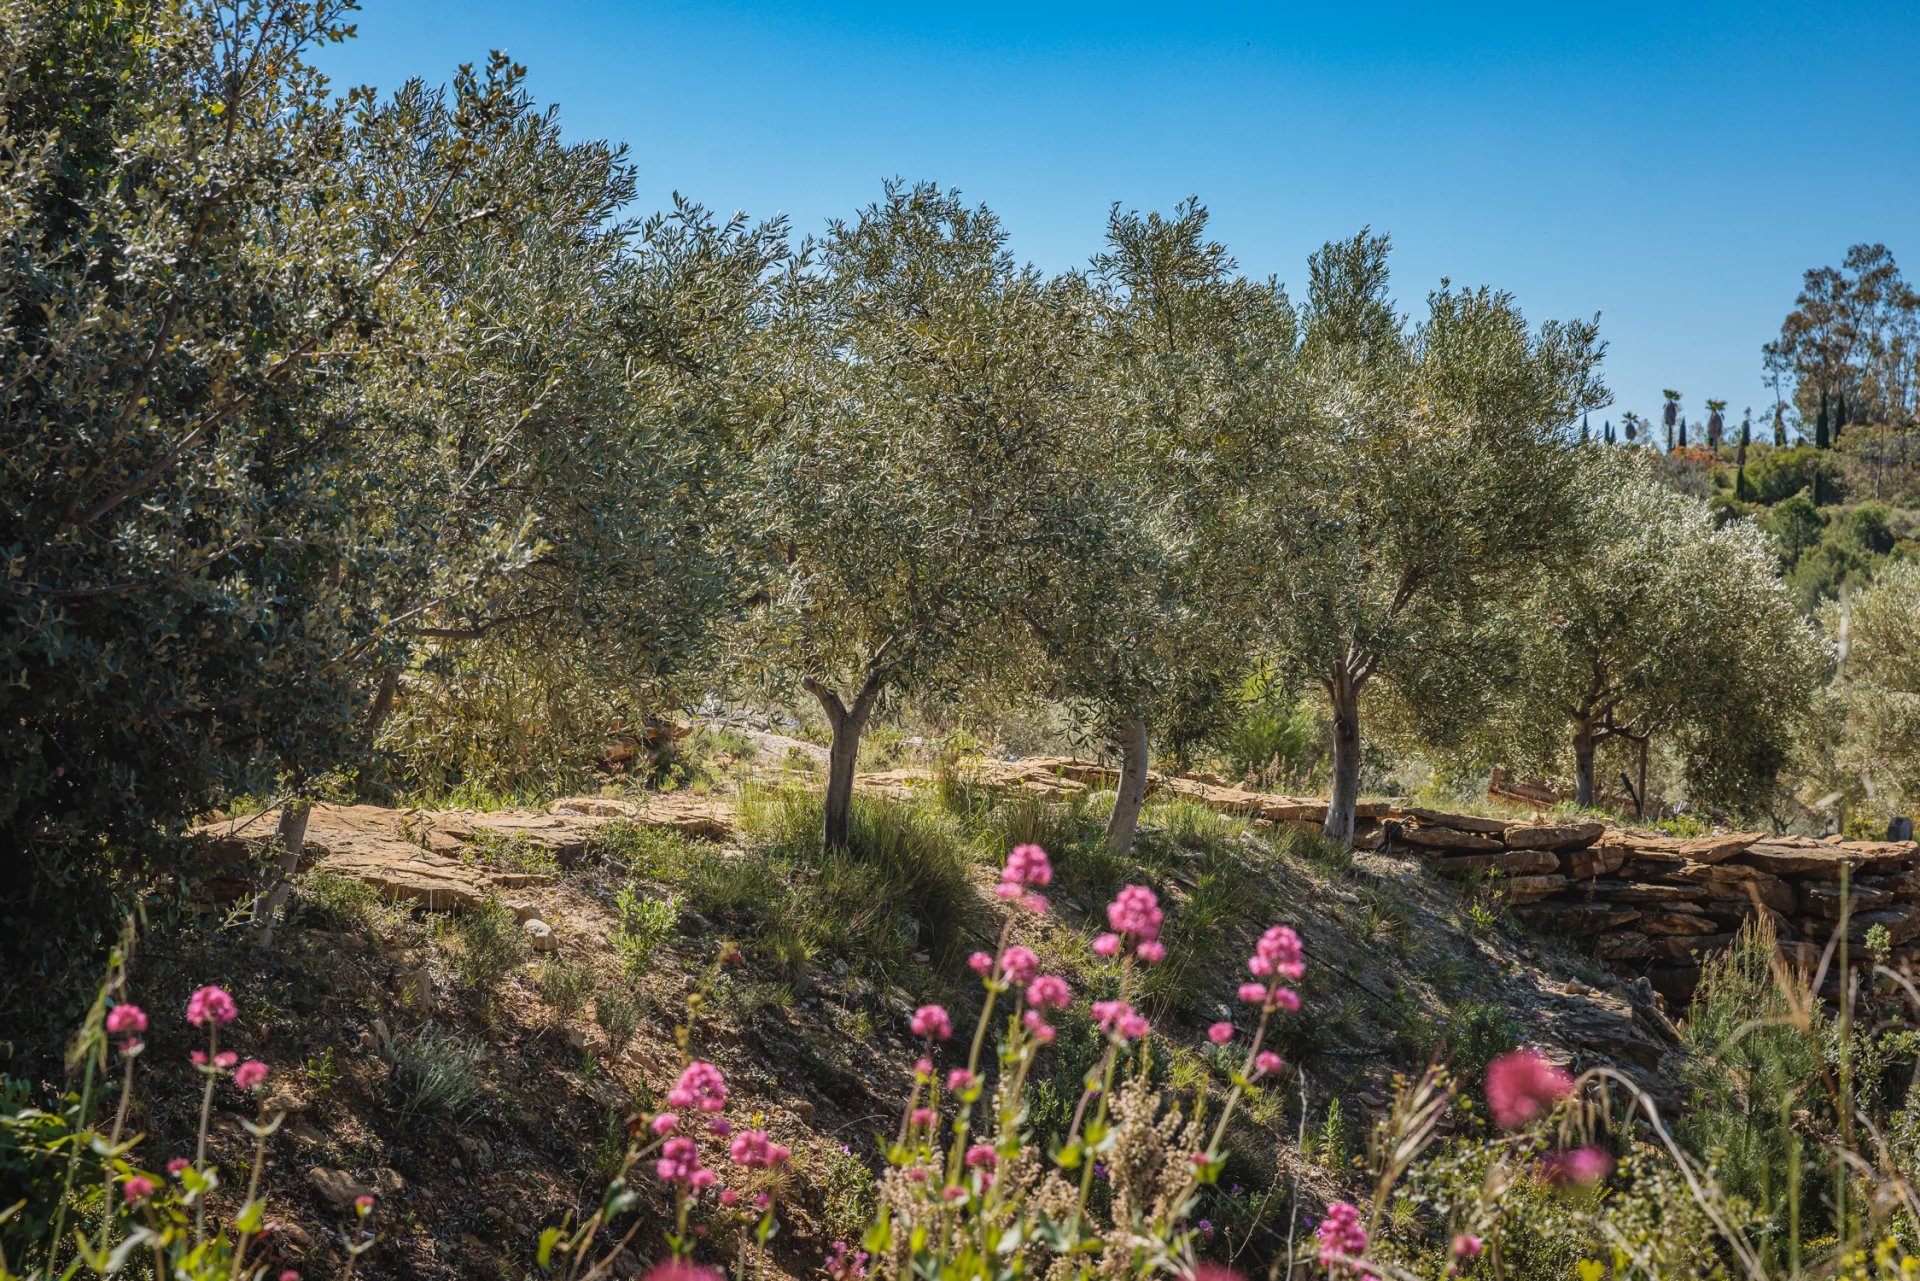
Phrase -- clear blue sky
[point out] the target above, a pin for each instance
(1674, 168)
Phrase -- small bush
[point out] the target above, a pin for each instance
(645, 923)
(339, 902)
(434, 1072)
(565, 986)
(617, 1011)
(488, 944)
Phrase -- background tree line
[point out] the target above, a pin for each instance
(352, 440)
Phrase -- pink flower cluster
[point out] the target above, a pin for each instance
(932, 1022)
(846, 1265)
(1135, 917)
(1523, 1087)
(700, 1086)
(1027, 871)
(680, 1163)
(127, 1022)
(753, 1149)
(1342, 1238)
(1117, 1018)
(1275, 957)
(1578, 1165)
(211, 1005)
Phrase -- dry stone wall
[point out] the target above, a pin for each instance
(1643, 903)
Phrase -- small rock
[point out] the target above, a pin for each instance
(338, 1189)
(387, 1182)
(803, 1108)
(1575, 987)
(577, 1040)
(540, 934)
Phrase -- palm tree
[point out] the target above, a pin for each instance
(1716, 423)
(1671, 416)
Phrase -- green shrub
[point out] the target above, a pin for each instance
(488, 944)
(434, 1072)
(617, 1011)
(565, 986)
(645, 923)
(1275, 739)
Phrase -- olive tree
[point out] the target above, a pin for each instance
(1443, 486)
(1663, 624)
(1876, 634)
(564, 432)
(895, 487)
(1138, 600)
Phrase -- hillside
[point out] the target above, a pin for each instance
(442, 1051)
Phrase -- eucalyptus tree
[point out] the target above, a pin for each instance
(1444, 487)
(1140, 602)
(1664, 625)
(897, 489)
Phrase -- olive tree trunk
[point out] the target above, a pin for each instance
(291, 836)
(1343, 691)
(1583, 745)
(1132, 793)
(843, 752)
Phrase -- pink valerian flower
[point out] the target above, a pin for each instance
(960, 1079)
(1522, 1087)
(289, 1275)
(722, 1126)
(982, 1155)
(198, 1058)
(671, 1269)
(1135, 917)
(225, 1059)
(1041, 1030)
(932, 1022)
(1266, 1063)
(846, 1265)
(729, 1197)
(127, 1022)
(679, 1160)
(1580, 1165)
(953, 1192)
(1019, 964)
(924, 1069)
(1027, 868)
(1467, 1246)
(136, 1188)
(1272, 997)
(1213, 1271)
(1117, 1018)
(211, 1005)
(363, 1205)
(1342, 1238)
(1220, 1033)
(250, 1074)
(701, 1086)
(923, 1116)
(753, 1149)
(1049, 992)
(177, 1165)
(981, 963)
(665, 1123)
(1278, 952)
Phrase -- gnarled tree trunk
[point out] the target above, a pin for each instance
(1343, 691)
(1133, 786)
(1583, 745)
(843, 753)
(291, 833)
